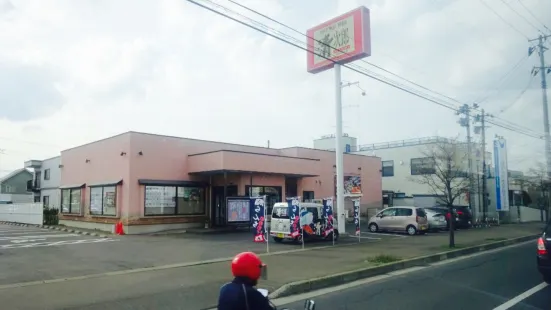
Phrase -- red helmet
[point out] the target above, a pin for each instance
(247, 265)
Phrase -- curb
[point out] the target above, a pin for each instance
(66, 229)
(315, 284)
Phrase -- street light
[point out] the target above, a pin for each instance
(349, 84)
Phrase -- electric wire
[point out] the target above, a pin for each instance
(533, 16)
(520, 15)
(353, 67)
(503, 19)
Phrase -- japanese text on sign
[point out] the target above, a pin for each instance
(334, 40)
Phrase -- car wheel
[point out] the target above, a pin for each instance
(411, 230)
(373, 227)
(278, 240)
(547, 278)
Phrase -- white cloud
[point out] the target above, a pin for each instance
(170, 67)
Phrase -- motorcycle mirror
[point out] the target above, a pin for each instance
(309, 305)
(264, 292)
(264, 272)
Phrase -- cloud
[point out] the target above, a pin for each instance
(170, 67)
(27, 92)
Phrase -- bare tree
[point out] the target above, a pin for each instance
(444, 170)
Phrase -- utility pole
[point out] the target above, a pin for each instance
(466, 122)
(482, 130)
(543, 71)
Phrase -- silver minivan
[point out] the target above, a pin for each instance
(412, 220)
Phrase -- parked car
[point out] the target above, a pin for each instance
(412, 220)
(464, 216)
(445, 211)
(543, 255)
(437, 219)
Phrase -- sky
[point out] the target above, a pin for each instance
(72, 72)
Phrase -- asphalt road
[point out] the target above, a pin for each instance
(481, 282)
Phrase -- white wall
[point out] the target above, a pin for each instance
(17, 198)
(50, 187)
(27, 213)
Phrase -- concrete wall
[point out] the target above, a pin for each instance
(27, 213)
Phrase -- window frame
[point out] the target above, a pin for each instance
(307, 193)
(80, 189)
(115, 186)
(44, 199)
(175, 199)
(279, 189)
(47, 174)
(418, 171)
(383, 168)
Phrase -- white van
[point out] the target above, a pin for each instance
(281, 223)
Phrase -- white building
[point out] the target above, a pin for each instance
(46, 181)
(327, 142)
(401, 160)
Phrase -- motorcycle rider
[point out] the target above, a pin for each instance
(241, 294)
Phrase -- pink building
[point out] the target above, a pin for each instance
(153, 183)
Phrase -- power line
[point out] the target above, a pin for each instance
(534, 16)
(352, 67)
(519, 96)
(504, 20)
(502, 80)
(521, 16)
(511, 126)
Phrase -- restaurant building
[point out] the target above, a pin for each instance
(152, 183)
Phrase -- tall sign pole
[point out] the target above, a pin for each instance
(339, 41)
(482, 130)
(466, 122)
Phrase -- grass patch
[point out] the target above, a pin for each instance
(383, 259)
(495, 239)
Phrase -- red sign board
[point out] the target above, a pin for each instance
(342, 39)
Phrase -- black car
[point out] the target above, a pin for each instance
(464, 216)
(544, 257)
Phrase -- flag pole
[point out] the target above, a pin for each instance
(332, 222)
(267, 234)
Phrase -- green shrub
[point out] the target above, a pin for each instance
(51, 216)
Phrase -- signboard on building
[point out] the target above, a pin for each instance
(239, 211)
(501, 175)
(352, 185)
(343, 39)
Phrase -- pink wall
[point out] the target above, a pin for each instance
(105, 165)
(166, 158)
(240, 161)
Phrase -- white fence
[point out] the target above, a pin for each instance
(27, 213)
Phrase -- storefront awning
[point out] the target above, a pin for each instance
(247, 162)
(79, 185)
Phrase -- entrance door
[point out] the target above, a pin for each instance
(218, 203)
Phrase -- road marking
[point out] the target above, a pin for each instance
(38, 236)
(64, 242)
(9, 234)
(26, 240)
(521, 297)
(362, 237)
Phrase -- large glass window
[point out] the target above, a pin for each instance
(425, 165)
(71, 200)
(103, 200)
(273, 194)
(174, 200)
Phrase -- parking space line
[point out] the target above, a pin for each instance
(58, 243)
(26, 233)
(38, 236)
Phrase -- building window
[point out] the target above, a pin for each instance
(46, 201)
(307, 196)
(272, 193)
(174, 200)
(421, 166)
(36, 199)
(46, 174)
(71, 200)
(103, 200)
(388, 168)
(9, 189)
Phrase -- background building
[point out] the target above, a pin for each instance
(14, 187)
(46, 180)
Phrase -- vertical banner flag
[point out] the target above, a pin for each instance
(259, 221)
(294, 218)
(328, 215)
(357, 215)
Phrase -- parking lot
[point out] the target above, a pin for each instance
(35, 254)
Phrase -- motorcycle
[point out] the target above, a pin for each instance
(309, 304)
